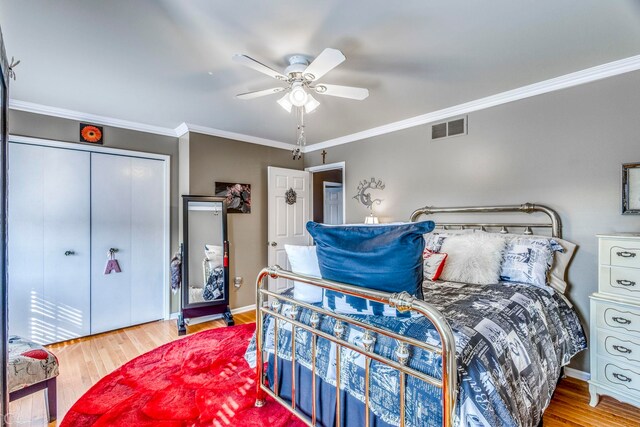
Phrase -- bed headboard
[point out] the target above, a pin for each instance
(552, 223)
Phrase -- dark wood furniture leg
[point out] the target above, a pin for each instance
(51, 393)
(50, 390)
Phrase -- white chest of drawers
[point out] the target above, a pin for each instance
(615, 320)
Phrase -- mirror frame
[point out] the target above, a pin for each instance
(186, 305)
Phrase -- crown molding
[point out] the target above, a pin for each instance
(183, 128)
(187, 127)
(31, 107)
(558, 83)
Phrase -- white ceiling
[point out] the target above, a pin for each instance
(164, 62)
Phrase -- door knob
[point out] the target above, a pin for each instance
(67, 253)
(274, 244)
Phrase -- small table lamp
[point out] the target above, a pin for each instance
(371, 219)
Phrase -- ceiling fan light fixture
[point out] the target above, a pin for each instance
(311, 104)
(298, 96)
(285, 103)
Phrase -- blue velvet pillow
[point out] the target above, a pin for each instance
(383, 257)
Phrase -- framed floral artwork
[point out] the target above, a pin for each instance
(237, 196)
(91, 133)
(631, 188)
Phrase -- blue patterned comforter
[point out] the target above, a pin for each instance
(511, 341)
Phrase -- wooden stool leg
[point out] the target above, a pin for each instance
(51, 393)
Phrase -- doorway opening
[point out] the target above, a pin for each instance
(328, 193)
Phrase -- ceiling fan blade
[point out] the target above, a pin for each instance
(258, 66)
(350, 92)
(325, 62)
(259, 93)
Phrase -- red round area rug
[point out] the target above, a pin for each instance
(200, 380)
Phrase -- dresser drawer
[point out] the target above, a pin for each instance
(617, 346)
(621, 253)
(618, 317)
(620, 281)
(614, 375)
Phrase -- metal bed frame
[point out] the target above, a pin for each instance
(401, 301)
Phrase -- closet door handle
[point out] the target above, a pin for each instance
(67, 253)
(626, 254)
(624, 282)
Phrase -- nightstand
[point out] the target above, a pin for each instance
(615, 320)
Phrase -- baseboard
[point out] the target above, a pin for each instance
(579, 375)
(244, 309)
(203, 319)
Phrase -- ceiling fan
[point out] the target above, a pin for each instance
(300, 79)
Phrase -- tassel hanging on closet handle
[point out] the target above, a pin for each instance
(112, 262)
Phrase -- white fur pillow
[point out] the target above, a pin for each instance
(473, 258)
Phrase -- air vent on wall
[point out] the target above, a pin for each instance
(452, 128)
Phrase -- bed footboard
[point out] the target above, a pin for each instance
(401, 301)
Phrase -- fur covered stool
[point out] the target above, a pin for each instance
(32, 368)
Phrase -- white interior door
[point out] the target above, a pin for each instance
(25, 241)
(49, 239)
(110, 228)
(286, 222)
(147, 240)
(67, 243)
(332, 198)
(128, 214)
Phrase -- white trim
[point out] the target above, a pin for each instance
(166, 299)
(233, 135)
(181, 129)
(202, 319)
(588, 75)
(32, 107)
(558, 83)
(319, 168)
(575, 373)
(327, 167)
(85, 147)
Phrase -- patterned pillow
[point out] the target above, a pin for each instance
(528, 260)
(433, 264)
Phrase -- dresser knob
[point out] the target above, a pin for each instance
(626, 254)
(622, 349)
(621, 377)
(621, 320)
(624, 282)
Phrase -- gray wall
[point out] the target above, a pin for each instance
(564, 149)
(57, 129)
(214, 159)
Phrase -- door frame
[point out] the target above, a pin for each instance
(330, 166)
(166, 301)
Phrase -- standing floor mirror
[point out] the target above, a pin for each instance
(205, 260)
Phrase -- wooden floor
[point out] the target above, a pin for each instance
(84, 361)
